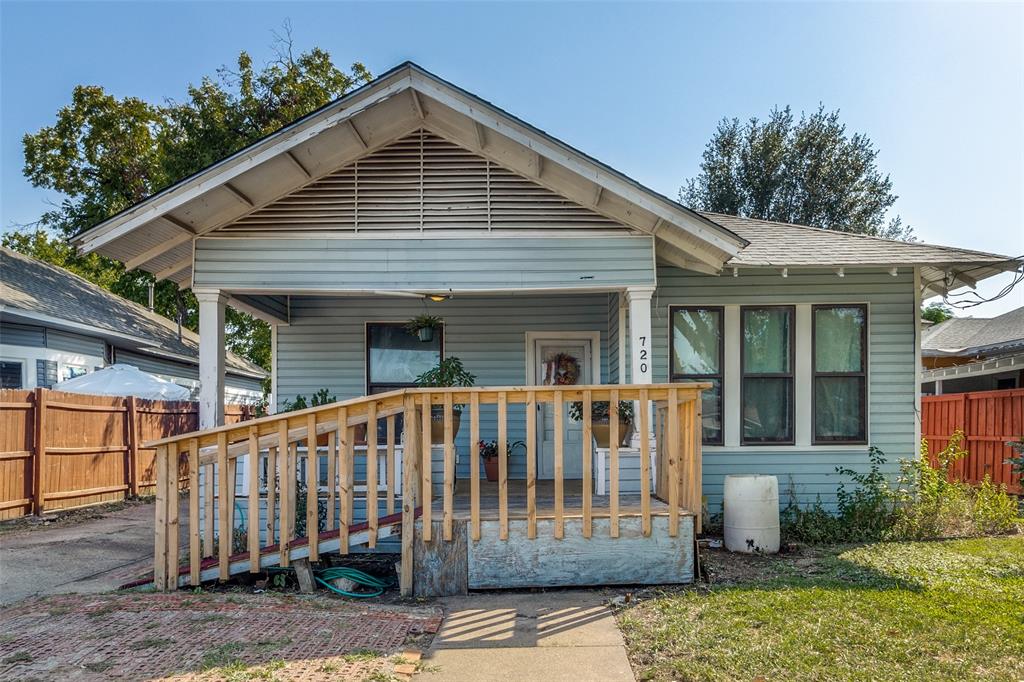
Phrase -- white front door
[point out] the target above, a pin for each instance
(560, 362)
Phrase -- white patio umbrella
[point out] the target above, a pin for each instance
(124, 380)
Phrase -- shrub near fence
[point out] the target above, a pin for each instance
(62, 450)
(988, 419)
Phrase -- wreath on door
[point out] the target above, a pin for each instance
(562, 370)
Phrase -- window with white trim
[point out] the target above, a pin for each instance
(840, 373)
(697, 354)
(766, 366)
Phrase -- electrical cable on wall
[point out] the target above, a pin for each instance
(971, 299)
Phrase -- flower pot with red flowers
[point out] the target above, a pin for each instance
(490, 453)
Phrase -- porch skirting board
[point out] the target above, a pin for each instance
(447, 568)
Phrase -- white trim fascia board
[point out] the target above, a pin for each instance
(571, 159)
(532, 337)
(974, 369)
(523, 291)
(225, 170)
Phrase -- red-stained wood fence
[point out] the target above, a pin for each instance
(988, 419)
(62, 450)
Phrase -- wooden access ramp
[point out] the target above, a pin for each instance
(329, 541)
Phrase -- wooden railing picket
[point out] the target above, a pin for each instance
(271, 493)
(312, 489)
(644, 407)
(223, 517)
(474, 466)
(195, 552)
(344, 479)
(425, 465)
(588, 465)
(253, 529)
(449, 468)
(409, 482)
(672, 417)
(389, 463)
(332, 477)
(287, 489)
(614, 438)
(559, 483)
(371, 472)
(531, 465)
(697, 480)
(503, 465)
(160, 512)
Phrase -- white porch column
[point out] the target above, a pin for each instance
(641, 368)
(211, 357)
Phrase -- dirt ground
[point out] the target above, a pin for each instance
(204, 636)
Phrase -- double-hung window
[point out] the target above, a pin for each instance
(840, 373)
(766, 359)
(697, 355)
(394, 358)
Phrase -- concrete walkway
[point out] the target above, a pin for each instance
(548, 636)
(93, 555)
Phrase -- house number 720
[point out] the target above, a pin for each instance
(643, 354)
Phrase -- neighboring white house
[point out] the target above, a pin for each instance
(54, 326)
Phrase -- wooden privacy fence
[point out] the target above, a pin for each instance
(274, 448)
(988, 419)
(61, 450)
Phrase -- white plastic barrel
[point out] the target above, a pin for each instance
(751, 511)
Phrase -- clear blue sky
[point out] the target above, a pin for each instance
(938, 87)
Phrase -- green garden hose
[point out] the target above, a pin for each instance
(323, 575)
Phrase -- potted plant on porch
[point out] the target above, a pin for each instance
(489, 453)
(600, 421)
(423, 326)
(448, 373)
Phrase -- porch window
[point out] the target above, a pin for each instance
(697, 355)
(840, 373)
(767, 374)
(394, 358)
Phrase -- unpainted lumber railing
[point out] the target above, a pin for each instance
(270, 449)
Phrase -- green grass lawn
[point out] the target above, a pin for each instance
(950, 610)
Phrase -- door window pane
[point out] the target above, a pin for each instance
(766, 340)
(838, 339)
(767, 410)
(838, 408)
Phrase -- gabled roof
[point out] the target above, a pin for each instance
(156, 234)
(774, 244)
(967, 336)
(34, 292)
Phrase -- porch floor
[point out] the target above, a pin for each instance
(629, 504)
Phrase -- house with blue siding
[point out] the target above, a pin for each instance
(55, 325)
(548, 270)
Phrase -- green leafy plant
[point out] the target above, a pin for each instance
(599, 410)
(424, 321)
(321, 397)
(300, 510)
(1017, 463)
(489, 448)
(448, 373)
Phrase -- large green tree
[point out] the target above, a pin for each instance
(104, 154)
(808, 171)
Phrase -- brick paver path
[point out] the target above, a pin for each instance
(206, 636)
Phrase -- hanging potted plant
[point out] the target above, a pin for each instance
(489, 453)
(448, 373)
(600, 422)
(423, 326)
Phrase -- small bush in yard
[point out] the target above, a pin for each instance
(925, 503)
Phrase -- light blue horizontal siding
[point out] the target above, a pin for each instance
(804, 475)
(75, 343)
(287, 265)
(324, 346)
(12, 334)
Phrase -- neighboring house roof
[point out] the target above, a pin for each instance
(34, 292)
(787, 245)
(968, 336)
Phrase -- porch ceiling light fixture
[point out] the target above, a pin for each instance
(437, 298)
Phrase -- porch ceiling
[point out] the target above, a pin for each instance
(158, 234)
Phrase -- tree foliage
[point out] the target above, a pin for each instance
(104, 154)
(936, 312)
(807, 171)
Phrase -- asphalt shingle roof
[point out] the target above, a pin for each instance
(967, 335)
(785, 244)
(33, 286)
